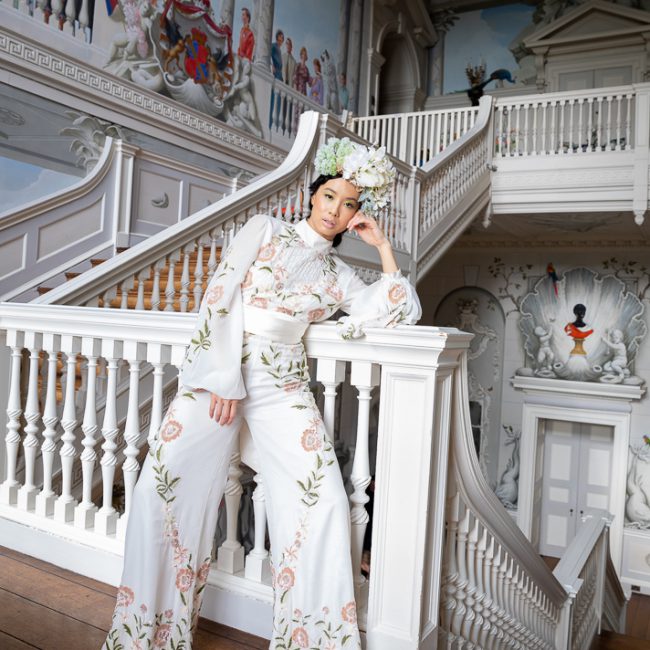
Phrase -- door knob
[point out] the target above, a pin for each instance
(570, 511)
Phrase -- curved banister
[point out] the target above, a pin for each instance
(51, 201)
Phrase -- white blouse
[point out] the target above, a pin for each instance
(289, 269)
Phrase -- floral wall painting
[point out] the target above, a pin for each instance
(582, 327)
(492, 32)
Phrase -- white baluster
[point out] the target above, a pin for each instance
(131, 466)
(330, 373)
(27, 493)
(212, 260)
(155, 357)
(198, 276)
(9, 488)
(230, 557)
(608, 143)
(364, 376)
(155, 290)
(258, 567)
(83, 21)
(170, 289)
(141, 277)
(185, 278)
(84, 514)
(66, 503)
(106, 517)
(46, 497)
(70, 15)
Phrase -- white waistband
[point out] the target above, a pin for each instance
(272, 325)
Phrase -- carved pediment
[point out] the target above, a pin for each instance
(592, 20)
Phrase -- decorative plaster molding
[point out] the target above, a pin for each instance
(76, 78)
(552, 180)
(589, 388)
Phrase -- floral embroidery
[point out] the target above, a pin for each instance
(248, 280)
(214, 294)
(185, 579)
(125, 596)
(267, 252)
(170, 430)
(396, 293)
(285, 579)
(349, 612)
(301, 637)
(315, 315)
(334, 292)
(257, 301)
(310, 440)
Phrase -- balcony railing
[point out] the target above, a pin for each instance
(71, 17)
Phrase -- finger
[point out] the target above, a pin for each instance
(213, 404)
(233, 412)
(225, 412)
(218, 410)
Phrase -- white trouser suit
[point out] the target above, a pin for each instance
(288, 277)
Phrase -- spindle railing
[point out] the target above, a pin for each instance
(565, 123)
(416, 138)
(404, 360)
(71, 17)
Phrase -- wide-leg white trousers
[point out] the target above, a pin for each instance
(173, 517)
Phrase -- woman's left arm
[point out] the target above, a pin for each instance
(385, 303)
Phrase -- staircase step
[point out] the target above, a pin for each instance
(612, 641)
(70, 275)
(96, 261)
(42, 290)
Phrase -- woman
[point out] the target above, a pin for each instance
(316, 84)
(301, 73)
(246, 360)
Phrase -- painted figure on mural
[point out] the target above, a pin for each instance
(331, 87)
(615, 369)
(276, 55)
(288, 62)
(316, 84)
(246, 37)
(301, 74)
(246, 361)
(344, 93)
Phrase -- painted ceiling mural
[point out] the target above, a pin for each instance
(202, 54)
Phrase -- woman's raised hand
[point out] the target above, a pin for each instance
(222, 410)
(368, 229)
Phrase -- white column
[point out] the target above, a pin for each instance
(263, 29)
(355, 38)
(46, 498)
(27, 493)
(402, 493)
(66, 503)
(84, 514)
(258, 566)
(131, 433)
(9, 488)
(230, 557)
(106, 517)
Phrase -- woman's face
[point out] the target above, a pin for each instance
(332, 206)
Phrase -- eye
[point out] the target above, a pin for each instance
(329, 196)
(350, 205)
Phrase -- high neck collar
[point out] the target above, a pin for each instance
(311, 237)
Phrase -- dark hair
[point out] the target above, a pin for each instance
(247, 12)
(279, 33)
(313, 188)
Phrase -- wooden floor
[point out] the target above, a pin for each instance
(42, 606)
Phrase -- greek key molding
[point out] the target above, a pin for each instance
(73, 73)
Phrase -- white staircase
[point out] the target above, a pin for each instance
(449, 567)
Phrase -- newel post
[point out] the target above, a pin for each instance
(411, 477)
(563, 630)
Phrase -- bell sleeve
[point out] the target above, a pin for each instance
(213, 358)
(385, 303)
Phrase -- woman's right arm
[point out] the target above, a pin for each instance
(213, 359)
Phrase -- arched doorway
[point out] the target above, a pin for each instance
(398, 77)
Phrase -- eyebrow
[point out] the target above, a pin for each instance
(349, 198)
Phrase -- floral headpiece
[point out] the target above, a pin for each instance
(367, 168)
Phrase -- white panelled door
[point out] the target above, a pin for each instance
(577, 462)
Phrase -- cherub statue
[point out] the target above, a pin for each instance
(545, 355)
(615, 370)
